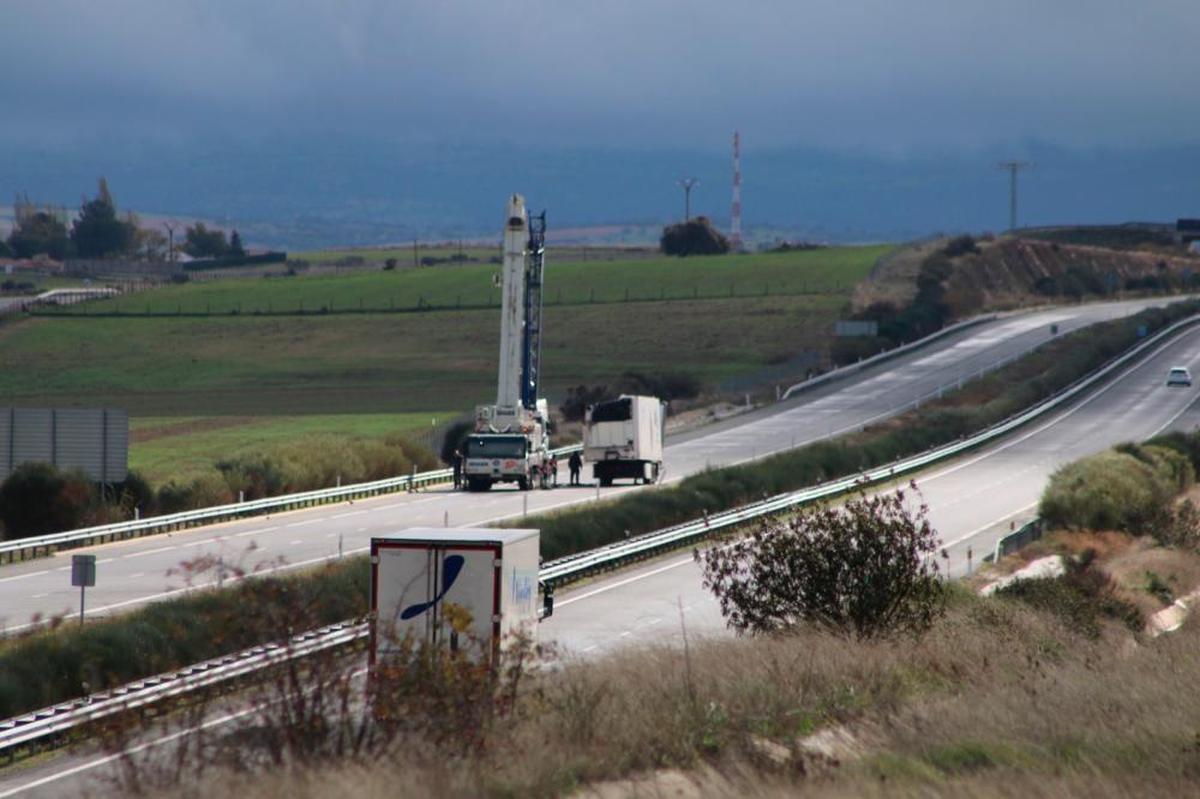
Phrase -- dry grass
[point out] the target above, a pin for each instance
(997, 700)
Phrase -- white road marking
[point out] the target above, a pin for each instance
(150, 551)
(301, 524)
(24, 576)
(604, 588)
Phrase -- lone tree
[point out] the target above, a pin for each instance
(235, 245)
(97, 232)
(865, 569)
(38, 231)
(204, 243)
(695, 237)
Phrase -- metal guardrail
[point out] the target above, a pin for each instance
(59, 719)
(30, 728)
(1025, 534)
(608, 557)
(23, 547)
(895, 352)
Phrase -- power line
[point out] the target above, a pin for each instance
(1013, 168)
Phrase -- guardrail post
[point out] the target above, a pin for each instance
(241, 496)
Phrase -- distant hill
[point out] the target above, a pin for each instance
(1014, 271)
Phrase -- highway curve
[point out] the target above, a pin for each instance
(133, 572)
(972, 502)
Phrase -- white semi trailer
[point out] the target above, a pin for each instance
(623, 438)
(489, 576)
(511, 442)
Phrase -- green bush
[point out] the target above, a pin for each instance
(1081, 597)
(1116, 490)
(37, 498)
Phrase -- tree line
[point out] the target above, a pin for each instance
(100, 231)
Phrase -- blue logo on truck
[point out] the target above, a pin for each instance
(522, 589)
(451, 567)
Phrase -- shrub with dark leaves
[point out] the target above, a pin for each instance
(865, 569)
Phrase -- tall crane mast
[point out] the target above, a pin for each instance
(521, 307)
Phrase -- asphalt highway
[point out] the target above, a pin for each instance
(972, 502)
(134, 572)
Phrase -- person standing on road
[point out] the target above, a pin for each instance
(554, 469)
(575, 464)
(456, 461)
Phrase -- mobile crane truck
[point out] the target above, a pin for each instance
(511, 441)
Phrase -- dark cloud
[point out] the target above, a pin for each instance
(878, 74)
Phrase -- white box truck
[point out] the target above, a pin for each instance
(490, 574)
(624, 438)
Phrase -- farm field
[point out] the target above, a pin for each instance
(176, 447)
(473, 251)
(816, 272)
(200, 387)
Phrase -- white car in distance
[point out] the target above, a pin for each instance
(1179, 376)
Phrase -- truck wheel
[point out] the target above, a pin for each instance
(523, 483)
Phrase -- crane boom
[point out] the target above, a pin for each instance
(535, 264)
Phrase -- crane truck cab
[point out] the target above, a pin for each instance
(510, 445)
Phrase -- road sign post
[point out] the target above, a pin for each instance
(83, 574)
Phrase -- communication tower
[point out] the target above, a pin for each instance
(735, 218)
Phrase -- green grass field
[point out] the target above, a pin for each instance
(166, 447)
(360, 374)
(819, 272)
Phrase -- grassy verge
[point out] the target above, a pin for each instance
(983, 403)
(999, 699)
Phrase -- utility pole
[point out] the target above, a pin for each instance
(1013, 168)
(170, 226)
(686, 184)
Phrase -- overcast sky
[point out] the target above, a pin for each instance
(885, 76)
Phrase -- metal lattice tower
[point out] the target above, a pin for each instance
(735, 217)
(535, 265)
